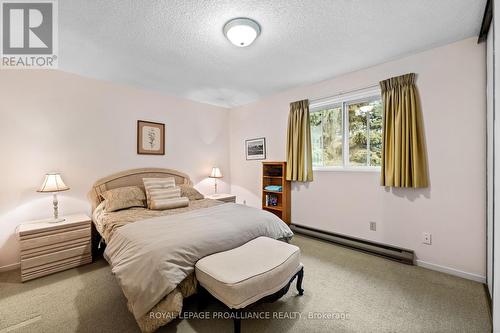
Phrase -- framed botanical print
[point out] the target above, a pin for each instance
(256, 149)
(150, 138)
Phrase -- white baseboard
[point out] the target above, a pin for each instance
(452, 271)
(10, 267)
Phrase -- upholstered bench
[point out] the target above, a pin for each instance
(258, 271)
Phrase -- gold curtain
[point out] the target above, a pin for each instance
(404, 161)
(298, 143)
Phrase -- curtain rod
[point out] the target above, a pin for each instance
(340, 93)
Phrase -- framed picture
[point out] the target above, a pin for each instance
(150, 138)
(256, 149)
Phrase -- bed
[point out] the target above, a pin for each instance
(153, 253)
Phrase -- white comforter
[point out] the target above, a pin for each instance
(151, 257)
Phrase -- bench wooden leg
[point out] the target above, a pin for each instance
(300, 277)
(237, 325)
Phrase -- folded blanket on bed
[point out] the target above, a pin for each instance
(151, 257)
(274, 188)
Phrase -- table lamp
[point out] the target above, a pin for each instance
(53, 183)
(215, 174)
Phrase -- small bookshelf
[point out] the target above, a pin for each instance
(273, 200)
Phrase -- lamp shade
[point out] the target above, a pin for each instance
(216, 173)
(53, 183)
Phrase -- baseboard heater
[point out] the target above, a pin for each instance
(390, 252)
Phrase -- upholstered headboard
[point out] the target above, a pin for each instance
(131, 178)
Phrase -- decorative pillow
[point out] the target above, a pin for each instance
(190, 192)
(124, 197)
(164, 193)
(157, 183)
(171, 203)
(151, 183)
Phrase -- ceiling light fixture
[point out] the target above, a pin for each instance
(241, 31)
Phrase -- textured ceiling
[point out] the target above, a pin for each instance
(177, 46)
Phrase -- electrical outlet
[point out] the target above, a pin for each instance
(245, 202)
(426, 238)
(373, 226)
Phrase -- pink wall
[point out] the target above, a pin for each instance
(86, 129)
(54, 121)
(452, 85)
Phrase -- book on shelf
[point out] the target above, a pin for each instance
(271, 200)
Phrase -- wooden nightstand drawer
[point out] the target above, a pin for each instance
(233, 199)
(52, 247)
(61, 235)
(39, 260)
(222, 197)
(32, 273)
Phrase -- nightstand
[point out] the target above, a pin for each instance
(222, 197)
(47, 248)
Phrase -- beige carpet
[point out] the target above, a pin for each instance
(359, 292)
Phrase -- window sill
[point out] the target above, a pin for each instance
(351, 169)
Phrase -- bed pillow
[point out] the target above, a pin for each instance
(158, 195)
(164, 193)
(156, 184)
(190, 192)
(123, 197)
(151, 183)
(162, 204)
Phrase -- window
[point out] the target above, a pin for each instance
(346, 131)
(326, 135)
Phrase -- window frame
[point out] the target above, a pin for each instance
(346, 99)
